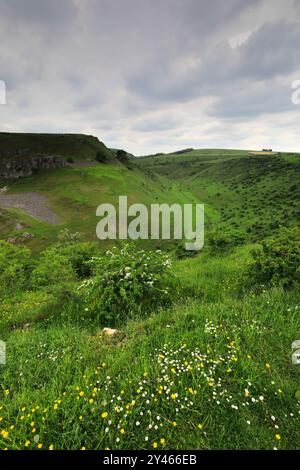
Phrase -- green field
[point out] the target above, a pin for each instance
(206, 367)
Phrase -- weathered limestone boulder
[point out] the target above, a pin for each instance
(109, 332)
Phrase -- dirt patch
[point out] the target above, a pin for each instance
(33, 204)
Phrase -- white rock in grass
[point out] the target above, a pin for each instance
(110, 332)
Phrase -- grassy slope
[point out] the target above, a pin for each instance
(51, 363)
(246, 345)
(253, 193)
(76, 146)
(75, 193)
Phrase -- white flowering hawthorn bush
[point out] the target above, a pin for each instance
(126, 282)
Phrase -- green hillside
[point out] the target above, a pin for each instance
(255, 194)
(73, 146)
(73, 194)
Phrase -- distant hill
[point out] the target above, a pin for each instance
(251, 192)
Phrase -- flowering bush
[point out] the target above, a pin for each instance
(125, 282)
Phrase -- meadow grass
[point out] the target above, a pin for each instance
(212, 372)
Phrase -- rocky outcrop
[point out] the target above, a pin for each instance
(20, 238)
(19, 167)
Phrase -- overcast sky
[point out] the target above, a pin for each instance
(153, 75)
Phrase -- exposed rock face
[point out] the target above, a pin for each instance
(19, 167)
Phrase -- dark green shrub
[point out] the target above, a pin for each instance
(277, 261)
(79, 254)
(182, 253)
(52, 269)
(225, 239)
(15, 266)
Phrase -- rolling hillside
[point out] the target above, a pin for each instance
(255, 194)
(72, 146)
(50, 200)
(251, 194)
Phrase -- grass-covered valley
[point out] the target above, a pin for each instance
(201, 353)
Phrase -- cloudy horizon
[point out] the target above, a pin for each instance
(153, 76)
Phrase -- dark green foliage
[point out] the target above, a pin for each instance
(78, 255)
(52, 268)
(182, 253)
(100, 157)
(277, 261)
(225, 239)
(15, 265)
(75, 146)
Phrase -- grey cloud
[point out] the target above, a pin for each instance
(272, 50)
(38, 11)
(131, 69)
(156, 124)
(253, 99)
